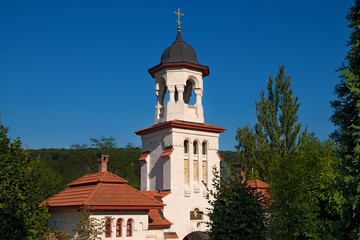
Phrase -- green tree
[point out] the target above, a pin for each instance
(346, 118)
(103, 142)
(20, 214)
(88, 227)
(303, 201)
(56, 174)
(236, 210)
(276, 131)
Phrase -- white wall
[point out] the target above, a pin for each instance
(175, 80)
(67, 219)
(183, 198)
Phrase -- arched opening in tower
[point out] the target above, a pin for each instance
(189, 95)
(163, 93)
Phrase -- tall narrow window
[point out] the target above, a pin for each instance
(118, 228)
(188, 92)
(196, 170)
(108, 228)
(186, 171)
(129, 228)
(204, 149)
(204, 171)
(186, 146)
(195, 144)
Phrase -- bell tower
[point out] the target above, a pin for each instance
(180, 150)
(180, 76)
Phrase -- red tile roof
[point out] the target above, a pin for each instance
(167, 152)
(102, 191)
(143, 156)
(181, 124)
(156, 218)
(259, 186)
(98, 177)
(170, 235)
(219, 156)
(156, 194)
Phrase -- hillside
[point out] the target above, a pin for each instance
(61, 166)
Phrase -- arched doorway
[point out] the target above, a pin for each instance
(196, 236)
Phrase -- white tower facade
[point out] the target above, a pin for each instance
(180, 83)
(180, 150)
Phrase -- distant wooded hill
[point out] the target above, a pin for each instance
(62, 166)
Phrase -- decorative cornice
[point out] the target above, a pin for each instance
(182, 124)
(204, 69)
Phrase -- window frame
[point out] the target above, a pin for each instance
(119, 225)
(129, 230)
(204, 148)
(108, 228)
(186, 146)
(195, 147)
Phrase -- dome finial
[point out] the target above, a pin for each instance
(178, 21)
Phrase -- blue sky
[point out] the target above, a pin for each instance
(74, 70)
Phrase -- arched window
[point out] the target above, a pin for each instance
(195, 145)
(186, 146)
(108, 228)
(118, 227)
(189, 97)
(129, 228)
(204, 148)
(162, 92)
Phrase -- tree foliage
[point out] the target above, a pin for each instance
(20, 214)
(236, 210)
(88, 227)
(103, 142)
(303, 202)
(55, 172)
(277, 129)
(346, 118)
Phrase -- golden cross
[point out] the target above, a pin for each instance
(178, 21)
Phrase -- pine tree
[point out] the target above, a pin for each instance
(276, 131)
(346, 118)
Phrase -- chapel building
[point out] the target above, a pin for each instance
(179, 153)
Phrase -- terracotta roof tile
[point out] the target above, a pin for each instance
(98, 177)
(260, 187)
(257, 183)
(182, 124)
(167, 152)
(156, 218)
(171, 235)
(155, 194)
(219, 156)
(103, 191)
(143, 156)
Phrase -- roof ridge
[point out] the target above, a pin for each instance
(95, 173)
(94, 178)
(114, 175)
(93, 192)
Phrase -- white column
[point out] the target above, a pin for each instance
(171, 93)
(180, 89)
(198, 94)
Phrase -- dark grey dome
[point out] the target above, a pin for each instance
(179, 52)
